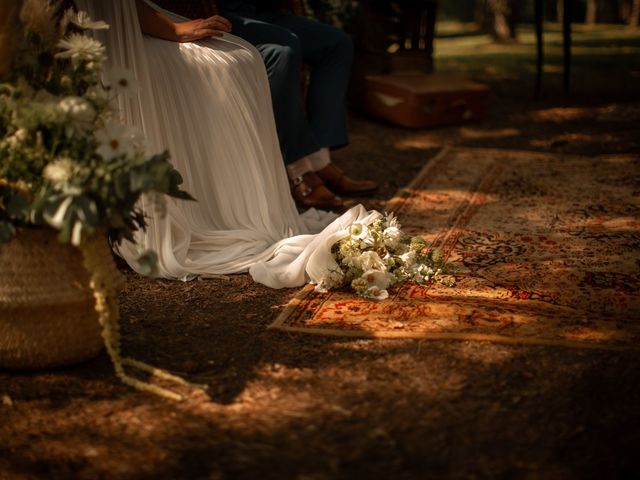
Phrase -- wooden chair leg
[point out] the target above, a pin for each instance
(539, 47)
(432, 13)
(566, 43)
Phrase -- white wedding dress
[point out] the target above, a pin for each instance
(208, 102)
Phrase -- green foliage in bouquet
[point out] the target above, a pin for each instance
(65, 160)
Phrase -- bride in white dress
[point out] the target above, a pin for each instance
(208, 102)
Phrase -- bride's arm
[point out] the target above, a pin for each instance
(157, 25)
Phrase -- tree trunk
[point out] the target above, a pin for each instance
(498, 18)
(560, 10)
(592, 11)
(634, 15)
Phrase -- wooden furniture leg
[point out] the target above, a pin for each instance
(566, 44)
(431, 12)
(539, 47)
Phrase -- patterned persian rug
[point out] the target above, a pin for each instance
(548, 247)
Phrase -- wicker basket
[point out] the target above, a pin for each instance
(47, 315)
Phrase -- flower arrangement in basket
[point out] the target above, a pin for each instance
(66, 163)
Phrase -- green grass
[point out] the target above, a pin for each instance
(605, 58)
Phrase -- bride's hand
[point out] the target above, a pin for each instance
(193, 30)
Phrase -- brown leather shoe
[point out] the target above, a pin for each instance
(340, 183)
(310, 191)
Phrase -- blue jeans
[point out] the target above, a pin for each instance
(285, 43)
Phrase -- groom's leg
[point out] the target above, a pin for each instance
(282, 55)
(329, 52)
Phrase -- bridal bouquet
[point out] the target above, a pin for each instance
(369, 259)
(66, 162)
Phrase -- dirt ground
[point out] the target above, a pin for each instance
(312, 408)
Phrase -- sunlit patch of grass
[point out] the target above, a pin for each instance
(605, 60)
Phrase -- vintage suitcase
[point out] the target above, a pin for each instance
(424, 100)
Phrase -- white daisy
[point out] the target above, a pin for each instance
(121, 81)
(114, 140)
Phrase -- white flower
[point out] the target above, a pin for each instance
(122, 81)
(60, 171)
(115, 139)
(408, 258)
(370, 261)
(79, 47)
(332, 278)
(98, 96)
(15, 141)
(376, 293)
(358, 231)
(82, 20)
(79, 114)
(349, 260)
(391, 221)
(423, 273)
(377, 284)
(378, 278)
(391, 236)
(368, 242)
(139, 142)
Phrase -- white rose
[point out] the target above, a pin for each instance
(370, 261)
